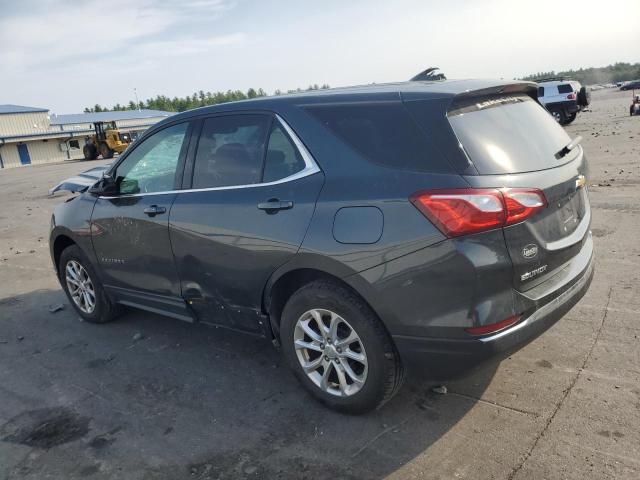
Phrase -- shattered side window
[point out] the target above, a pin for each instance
(151, 167)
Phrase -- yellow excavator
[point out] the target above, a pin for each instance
(106, 141)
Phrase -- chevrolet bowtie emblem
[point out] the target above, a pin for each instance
(581, 181)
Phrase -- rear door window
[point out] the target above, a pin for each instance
(282, 159)
(565, 88)
(230, 151)
(508, 135)
(383, 132)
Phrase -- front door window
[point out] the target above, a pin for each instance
(152, 166)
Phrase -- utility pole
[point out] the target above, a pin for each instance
(135, 92)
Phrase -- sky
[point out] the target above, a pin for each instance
(69, 54)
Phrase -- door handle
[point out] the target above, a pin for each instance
(273, 205)
(153, 210)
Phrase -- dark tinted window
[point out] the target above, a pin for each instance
(509, 135)
(230, 151)
(283, 159)
(565, 88)
(540, 91)
(383, 132)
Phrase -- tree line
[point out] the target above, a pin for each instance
(197, 99)
(618, 72)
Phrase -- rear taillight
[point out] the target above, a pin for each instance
(521, 203)
(571, 96)
(464, 211)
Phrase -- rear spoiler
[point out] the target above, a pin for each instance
(491, 96)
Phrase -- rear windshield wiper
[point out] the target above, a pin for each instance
(570, 146)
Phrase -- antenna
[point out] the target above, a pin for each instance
(430, 74)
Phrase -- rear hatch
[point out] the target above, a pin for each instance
(513, 142)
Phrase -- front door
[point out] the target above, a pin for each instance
(251, 200)
(130, 229)
(23, 152)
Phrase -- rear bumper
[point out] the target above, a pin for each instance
(443, 358)
(569, 106)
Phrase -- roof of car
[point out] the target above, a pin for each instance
(437, 87)
(426, 89)
(544, 83)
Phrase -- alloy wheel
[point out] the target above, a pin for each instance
(330, 352)
(80, 286)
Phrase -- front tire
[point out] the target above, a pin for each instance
(89, 152)
(83, 287)
(338, 348)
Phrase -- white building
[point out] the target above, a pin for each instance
(31, 135)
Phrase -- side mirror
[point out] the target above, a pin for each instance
(105, 186)
(129, 186)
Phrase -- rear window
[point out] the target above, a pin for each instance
(565, 88)
(384, 133)
(508, 135)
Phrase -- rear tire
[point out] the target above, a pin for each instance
(83, 287)
(558, 116)
(570, 118)
(89, 152)
(353, 367)
(105, 151)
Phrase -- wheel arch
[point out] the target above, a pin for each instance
(303, 270)
(60, 243)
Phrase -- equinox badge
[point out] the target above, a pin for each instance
(533, 273)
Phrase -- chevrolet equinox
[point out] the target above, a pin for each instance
(369, 231)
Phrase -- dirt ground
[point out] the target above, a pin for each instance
(148, 397)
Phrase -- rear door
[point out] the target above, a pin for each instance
(251, 197)
(513, 143)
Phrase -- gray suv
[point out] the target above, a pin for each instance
(368, 231)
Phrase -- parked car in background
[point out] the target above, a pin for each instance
(564, 99)
(346, 225)
(633, 84)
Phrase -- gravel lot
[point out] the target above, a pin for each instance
(153, 398)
